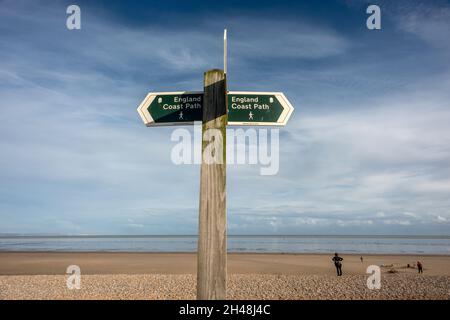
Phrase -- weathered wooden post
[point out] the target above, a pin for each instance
(210, 106)
(212, 241)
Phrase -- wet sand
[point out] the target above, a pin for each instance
(53, 263)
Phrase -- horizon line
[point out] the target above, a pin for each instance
(55, 235)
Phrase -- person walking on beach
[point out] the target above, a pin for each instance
(337, 263)
(419, 267)
(361, 258)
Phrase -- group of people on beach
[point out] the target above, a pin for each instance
(338, 264)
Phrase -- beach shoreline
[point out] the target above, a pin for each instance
(105, 275)
(54, 263)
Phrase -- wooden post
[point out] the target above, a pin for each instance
(212, 241)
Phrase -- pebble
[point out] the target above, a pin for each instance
(240, 286)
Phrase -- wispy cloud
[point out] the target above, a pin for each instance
(428, 20)
(366, 149)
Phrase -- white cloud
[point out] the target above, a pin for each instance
(73, 145)
(428, 21)
(397, 222)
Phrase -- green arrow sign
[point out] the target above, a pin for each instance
(171, 108)
(244, 108)
(258, 108)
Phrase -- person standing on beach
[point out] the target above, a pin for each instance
(419, 267)
(337, 263)
(361, 258)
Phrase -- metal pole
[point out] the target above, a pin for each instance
(225, 51)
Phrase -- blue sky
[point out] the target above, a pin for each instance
(367, 150)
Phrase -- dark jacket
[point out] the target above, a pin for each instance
(337, 260)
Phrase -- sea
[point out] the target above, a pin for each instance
(439, 245)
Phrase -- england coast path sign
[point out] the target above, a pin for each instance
(215, 107)
(244, 108)
(258, 108)
(171, 108)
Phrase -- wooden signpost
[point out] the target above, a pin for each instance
(216, 108)
(212, 240)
